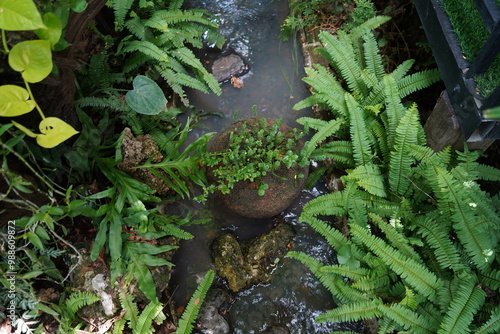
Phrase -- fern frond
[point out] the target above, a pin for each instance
(369, 178)
(147, 48)
(332, 204)
(463, 307)
(406, 134)
(396, 238)
(351, 312)
(474, 236)
(193, 307)
(138, 29)
(360, 143)
(336, 285)
(408, 319)
(152, 312)
(413, 272)
(326, 89)
(173, 17)
(492, 325)
(110, 102)
(341, 53)
(437, 237)
(372, 56)
(370, 24)
(402, 69)
(340, 151)
(346, 271)
(417, 81)
(79, 299)
(324, 130)
(393, 107)
(491, 279)
(134, 61)
(121, 9)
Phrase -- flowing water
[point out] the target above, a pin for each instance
(294, 297)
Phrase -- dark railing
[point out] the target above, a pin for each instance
(458, 73)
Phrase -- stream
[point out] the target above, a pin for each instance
(294, 297)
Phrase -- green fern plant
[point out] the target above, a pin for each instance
(189, 315)
(159, 35)
(420, 252)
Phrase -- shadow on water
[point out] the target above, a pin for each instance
(294, 297)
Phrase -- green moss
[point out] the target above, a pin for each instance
(472, 33)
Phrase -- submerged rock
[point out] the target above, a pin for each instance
(210, 318)
(252, 263)
(229, 66)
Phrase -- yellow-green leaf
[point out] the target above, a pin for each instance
(53, 30)
(53, 132)
(14, 101)
(19, 15)
(32, 58)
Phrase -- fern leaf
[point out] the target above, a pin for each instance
(193, 308)
(326, 89)
(360, 143)
(463, 307)
(408, 319)
(121, 9)
(368, 25)
(153, 311)
(331, 204)
(351, 312)
(417, 81)
(474, 236)
(340, 151)
(396, 238)
(373, 59)
(369, 178)
(394, 108)
(491, 279)
(341, 52)
(437, 237)
(336, 285)
(406, 133)
(147, 48)
(79, 299)
(130, 308)
(173, 17)
(138, 29)
(492, 325)
(413, 272)
(324, 130)
(344, 270)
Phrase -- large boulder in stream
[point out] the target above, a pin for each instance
(284, 184)
(228, 66)
(252, 262)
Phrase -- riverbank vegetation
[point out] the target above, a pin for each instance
(415, 231)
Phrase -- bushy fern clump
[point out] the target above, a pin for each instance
(420, 251)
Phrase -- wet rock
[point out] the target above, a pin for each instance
(136, 151)
(210, 318)
(284, 183)
(229, 261)
(252, 263)
(228, 66)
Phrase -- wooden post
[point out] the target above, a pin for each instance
(442, 128)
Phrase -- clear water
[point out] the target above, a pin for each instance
(294, 297)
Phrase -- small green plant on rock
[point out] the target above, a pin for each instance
(253, 152)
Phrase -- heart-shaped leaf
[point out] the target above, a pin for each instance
(53, 31)
(53, 132)
(32, 58)
(14, 101)
(147, 97)
(19, 15)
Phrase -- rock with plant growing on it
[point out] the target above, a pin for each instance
(256, 166)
